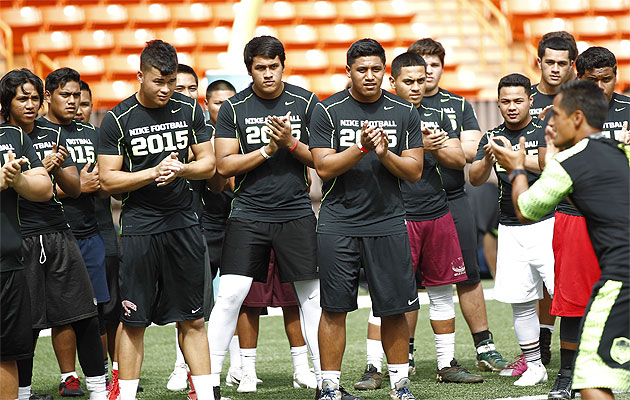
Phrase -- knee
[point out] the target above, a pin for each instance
(191, 325)
(525, 310)
(441, 307)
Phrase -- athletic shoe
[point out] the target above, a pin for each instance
(248, 384)
(114, 388)
(545, 346)
(488, 358)
(177, 381)
(562, 387)
(457, 374)
(217, 393)
(401, 390)
(140, 388)
(37, 396)
(192, 394)
(233, 376)
(516, 368)
(304, 379)
(329, 391)
(71, 387)
(412, 365)
(370, 380)
(535, 374)
(347, 396)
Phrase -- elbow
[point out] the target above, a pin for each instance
(475, 180)
(74, 192)
(460, 163)
(323, 174)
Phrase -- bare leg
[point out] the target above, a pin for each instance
(473, 306)
(130, 351)
(292, 327)
(597, 394)
(8, 380)
(247, 327)
(490, 252)
(111, 340)
(412, 322)
(395, 338)
(64, 343)
(332, 339)
(194, 345)
(544, 306)
(374, 332)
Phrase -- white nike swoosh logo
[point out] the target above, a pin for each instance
(444, 100)
(410, 302)
(195, 311)
(388, 108)
(2, 134)
(528, 132)
(427, 115)
(288, 103)
(41, 137)
(174, 111)
(620, 109)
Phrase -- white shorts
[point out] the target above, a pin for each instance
(524, 261)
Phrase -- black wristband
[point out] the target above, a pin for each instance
(515, 173)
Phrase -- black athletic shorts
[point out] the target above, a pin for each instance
(162, 277)
(248, 243)
(111, 309)
(58, 280)
(16, 340)
(467, 235)
(208, 293)
(214, 240)
(388, 268)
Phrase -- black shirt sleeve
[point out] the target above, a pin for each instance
(469, 122)
(226, 126)
(200, 132)
(109, 142)
(480, 151)
(414, 132)
(322, 129)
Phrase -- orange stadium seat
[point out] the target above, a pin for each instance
(594, 27)
(337, 35)
(149, 15)
(277, 13)
(623, 76)
(620, 48)
(337, 60)
(525, 7)
(299, 80)
(205, 61)
(381, 31)
(183, 39)
(536, 28)
(409, 33)
(52, 44)
(107, 94)
(66, 18)
(90, 67)
(563, 8)
(394, 11)
(214, 38)
(23, 18)
(196, 14)
(298, 36)
(93, 42)
(356, 11)
(306, 61)
(122, 66)
(325, 85)
(38, 3)
(224, 13)
(80, 2)
(262, 30)
(110, 16)
(132, 41)
(623, 25)
(316, 12)
(614, 7)
(186, 58)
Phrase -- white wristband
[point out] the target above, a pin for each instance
(264, 153)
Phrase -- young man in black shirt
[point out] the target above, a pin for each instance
(364, 142)
(262, 139)
(593, 172)
(524, 256)
(143, 154)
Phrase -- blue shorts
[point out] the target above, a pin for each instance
(93, 252)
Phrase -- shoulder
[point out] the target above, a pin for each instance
(534, 89)
(298, 92)
(178, 100)
(10, 131)
(84, 125)
(499, 130)
(445, 96)
(124, 107)
(336, 99)
(42, 125)
(390, 99)
(572, 151)
(619, 100)
(241, 97)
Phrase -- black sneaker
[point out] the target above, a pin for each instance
(545, 346)
(457, 374)
(370, 380)
(347, 396)
(562, 386)
(71, 387)
(140, 388)
(37, 396)
(217, 393)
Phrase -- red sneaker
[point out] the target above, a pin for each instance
(114, 389)
(71, 387)
(192, 395)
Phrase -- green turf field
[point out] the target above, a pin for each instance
(274, 365)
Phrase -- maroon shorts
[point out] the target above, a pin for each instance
(576, 266)
(272, 293)
(435, 251)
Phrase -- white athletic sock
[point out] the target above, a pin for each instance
(203, 387)
(65, 376)
(128, 388)
(180, 356)
(114, 365)
(445, 349)
(235, 354)
(333, 376)
(96, 386)
(397, 372)
(248, 361)
(374, 352)
(550, 327)
(24, 393)
(531, 353)
(300, 358)
(307, 294)
(526, 324)
(232, 291)
(215, 379)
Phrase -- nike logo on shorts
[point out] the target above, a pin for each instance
(410, 302)
(196, 311)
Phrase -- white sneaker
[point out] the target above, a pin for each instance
(248, 384)
(304, 379)
(178, 380)
(535, 374)
(233, 376)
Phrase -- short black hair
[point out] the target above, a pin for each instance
(84, 86)
(512, 80)
(587, 97)
(595, 57)
(8, 88)
(186, 69)
(407, 59)
(159, 55)
(60, 77)
(265, 46)
(364, 48)
(562, 35)
(555, 43)
(428, 47)
(219, 84)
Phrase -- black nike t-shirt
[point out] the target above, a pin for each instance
(534, 139)
(425, 200)
(199, 186)
(462, 117)
(365, 200)
(103, 209)
(15, 140)
(144, 137)
(539, 102)
(276, 190)
(46, 217)
(82, 140)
